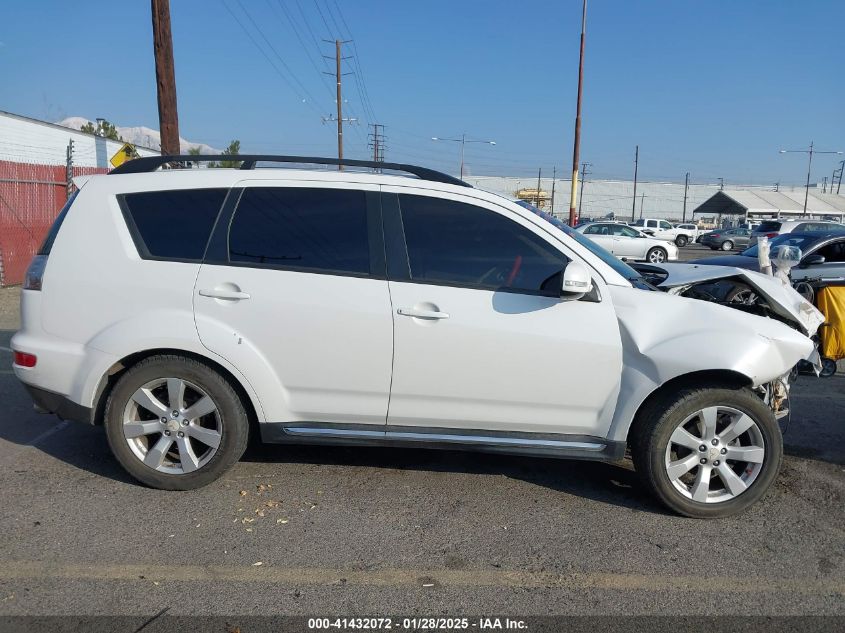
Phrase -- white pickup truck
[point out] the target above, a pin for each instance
(662, 230)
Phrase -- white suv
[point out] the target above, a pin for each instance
(186, 309)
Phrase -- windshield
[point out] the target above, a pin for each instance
(619, 266)
(789, 239)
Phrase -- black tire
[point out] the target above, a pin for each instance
(652, 254)
(656, 423)
(233, 419)
(727, 245)
(681, 241)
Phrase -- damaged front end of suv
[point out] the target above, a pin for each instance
(749, 292)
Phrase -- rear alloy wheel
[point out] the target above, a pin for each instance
(708, 453)
(656, 255)
(681, 241)
(727, 245)
(175, 423)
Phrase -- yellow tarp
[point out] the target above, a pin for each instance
(831, 301)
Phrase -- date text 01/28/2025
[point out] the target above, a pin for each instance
(416, 624)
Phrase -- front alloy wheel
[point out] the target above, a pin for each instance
(707, 452)
(715, 454)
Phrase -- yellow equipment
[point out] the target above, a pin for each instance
(831, 302)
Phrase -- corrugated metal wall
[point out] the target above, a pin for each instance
(31, 196)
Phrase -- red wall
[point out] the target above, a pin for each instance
(31, 197)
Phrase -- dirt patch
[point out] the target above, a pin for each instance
(9, 308)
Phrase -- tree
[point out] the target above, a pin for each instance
(234, 149)
(195, 151)
(105, 129)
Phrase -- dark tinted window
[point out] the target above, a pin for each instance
(314, 229)
(47, 246)
(768, 227)
(173, 224)
(833, 252)
(459, 243)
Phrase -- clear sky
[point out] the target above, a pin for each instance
(713, 87)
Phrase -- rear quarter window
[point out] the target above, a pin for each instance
(47, 245)
(172, 225)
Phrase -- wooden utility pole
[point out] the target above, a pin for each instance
(168, 118)
(554, 176)
(686, 189)
(577, 146)
(636, 166)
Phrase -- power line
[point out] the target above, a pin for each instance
(309, 98)
(365, 95)
(311, 33)
(296, 32)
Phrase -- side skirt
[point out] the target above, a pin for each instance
(518, 443)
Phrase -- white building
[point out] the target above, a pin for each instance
(25, 140)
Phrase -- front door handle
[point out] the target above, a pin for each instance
(220, 293)
(422, 314)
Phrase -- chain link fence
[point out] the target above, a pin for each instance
(31, 196)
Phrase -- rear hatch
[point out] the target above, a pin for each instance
(769, 228)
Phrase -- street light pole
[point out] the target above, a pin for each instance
(809, 151)
(463, 141)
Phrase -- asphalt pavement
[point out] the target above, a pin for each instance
(351, 531)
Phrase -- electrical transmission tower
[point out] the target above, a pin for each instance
(377, 142)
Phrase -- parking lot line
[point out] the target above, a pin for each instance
(7, 349)
(14, 570)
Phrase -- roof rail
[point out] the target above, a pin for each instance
(248, 161)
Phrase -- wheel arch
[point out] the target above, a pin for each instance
(720, 378)
(117, 369)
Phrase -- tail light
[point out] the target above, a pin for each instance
(771, 235)
(35, 273)
(716, 235)
(22, 359)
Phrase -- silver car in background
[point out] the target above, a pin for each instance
(629, 243)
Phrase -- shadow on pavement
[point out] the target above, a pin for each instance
(615, 484)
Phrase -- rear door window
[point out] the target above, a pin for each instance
(172, 225)
(309, 229)
(455, 243)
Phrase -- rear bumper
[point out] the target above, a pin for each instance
(62, 406)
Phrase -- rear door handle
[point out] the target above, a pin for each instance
(219, 293)
(422, 314)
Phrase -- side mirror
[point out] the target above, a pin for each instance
(812, 260)
(577, 281)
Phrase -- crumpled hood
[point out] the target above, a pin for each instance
(783, 299)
